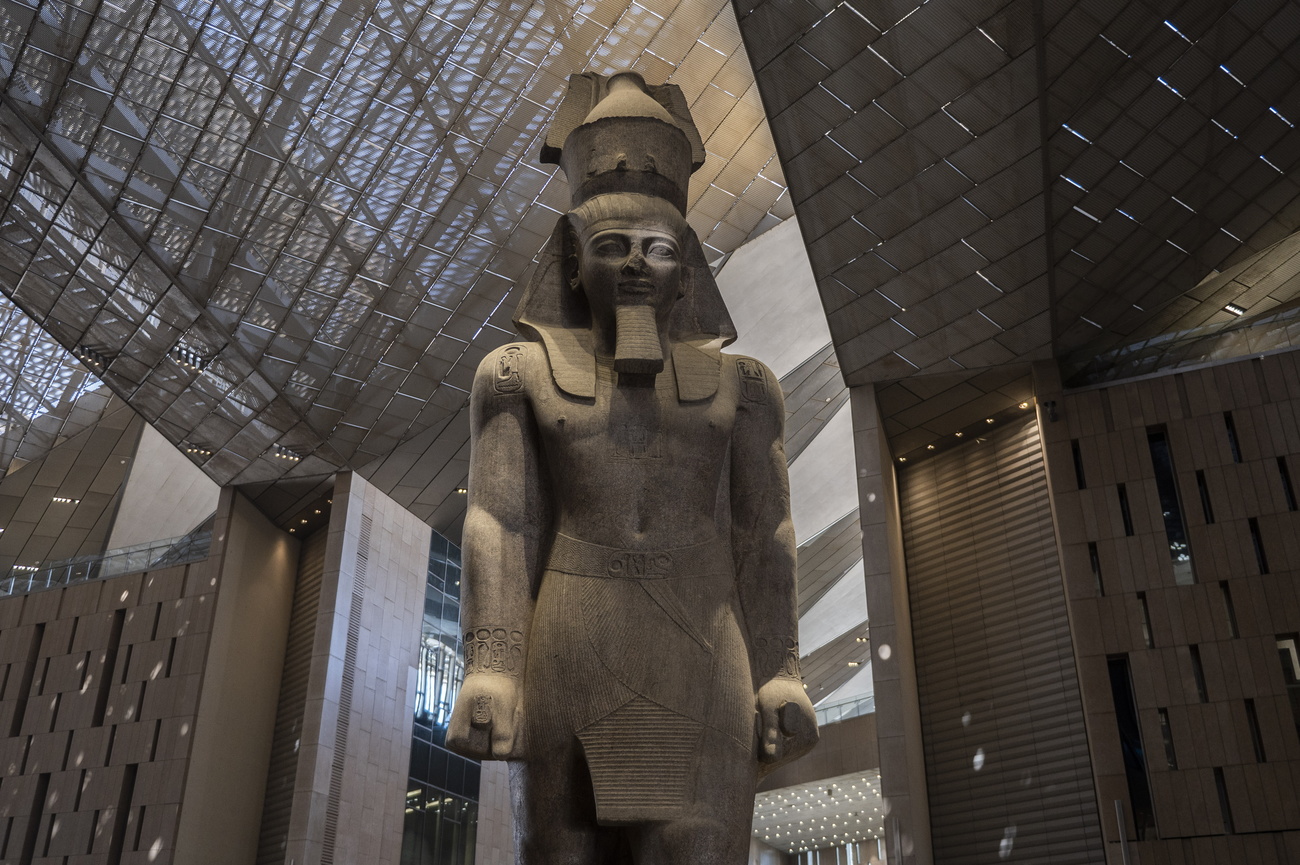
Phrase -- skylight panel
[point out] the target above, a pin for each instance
(1171, 26)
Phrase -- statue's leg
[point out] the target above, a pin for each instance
(715, 827)
(555, 811)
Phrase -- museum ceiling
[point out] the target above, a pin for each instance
(286, 233)
(982, 184)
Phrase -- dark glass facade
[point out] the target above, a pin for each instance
(442, 799)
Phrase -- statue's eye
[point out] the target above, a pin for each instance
(662, 250)
(610, 247)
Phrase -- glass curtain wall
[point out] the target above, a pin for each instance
(442, 798)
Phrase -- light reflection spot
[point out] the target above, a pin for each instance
(978, 761)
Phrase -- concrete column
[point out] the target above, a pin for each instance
(350, 788)
(898, 718)
(495, 842)
(253, 576)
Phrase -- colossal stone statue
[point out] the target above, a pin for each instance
(629, 565)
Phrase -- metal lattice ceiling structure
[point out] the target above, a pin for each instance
(983, 184)
(46, 395)
(292, 230)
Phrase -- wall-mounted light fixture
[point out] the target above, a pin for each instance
(92, 358)
(189, 358)
(283, 453)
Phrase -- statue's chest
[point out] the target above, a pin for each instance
(636, 424)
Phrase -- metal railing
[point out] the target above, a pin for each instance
(112, 563)
(845, 709)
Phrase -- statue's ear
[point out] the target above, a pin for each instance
(701, 313)
(570, 245)
(550, 313)
(547, 301)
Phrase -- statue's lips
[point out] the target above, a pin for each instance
(636, 286)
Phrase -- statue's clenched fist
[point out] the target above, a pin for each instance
(485, 719)
(787, 725)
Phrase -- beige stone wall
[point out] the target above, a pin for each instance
(893, 665)
(255, 565)
(164, 496)
(495, 841)
(1110, 426)
(349, 795)
(97, 714)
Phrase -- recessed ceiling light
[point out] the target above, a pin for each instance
(1234, 309)
(988, 420)
(1024, 405)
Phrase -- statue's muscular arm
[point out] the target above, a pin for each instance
(503, 527)
(763, 546)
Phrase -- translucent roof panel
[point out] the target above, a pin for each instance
(302, 225)
(974, 196)
(46, 394)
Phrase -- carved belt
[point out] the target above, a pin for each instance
(572, 556)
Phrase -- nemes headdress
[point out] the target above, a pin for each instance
(624, 144)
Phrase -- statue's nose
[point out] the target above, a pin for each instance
(635, 262)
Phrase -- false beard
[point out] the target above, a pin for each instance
(637, 349)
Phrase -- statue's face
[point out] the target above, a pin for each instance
(625, 266)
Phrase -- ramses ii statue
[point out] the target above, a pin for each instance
(629, 560)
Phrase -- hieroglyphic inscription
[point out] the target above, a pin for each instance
(494, 650)
(510, 370)
(753, 381)
(634, 441)
(776, 656)
(634, 565)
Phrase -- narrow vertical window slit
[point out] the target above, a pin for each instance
(1224, 808)
(1204, 490)
(1171, 507)
(1256, 738)
(1258, 542)
(1290, 658)
(1095, 562)
(1080, 480)
(1130, 736)
(1231, 428)
(1288, 491)
(1146, 620)
(1171, 758)
(1124, 512)
(1229, 609)
(1198, 673)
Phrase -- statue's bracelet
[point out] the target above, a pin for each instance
(494, 650)
(776, 656)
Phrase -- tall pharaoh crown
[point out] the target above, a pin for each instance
(619, 134)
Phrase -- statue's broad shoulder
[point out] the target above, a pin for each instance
(757, 389)
(511, 370)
